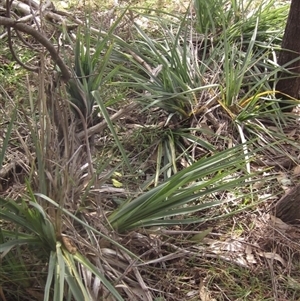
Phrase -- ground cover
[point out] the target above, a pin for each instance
(152, 173)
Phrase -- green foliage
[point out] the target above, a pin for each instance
(88, 75)
(248, 52)
(32, 219)
(34, 229)
(174, 201)
(210, 15)
(30, 227)
(230, 65)
(165, 72)
(90, 71)
(169, 75)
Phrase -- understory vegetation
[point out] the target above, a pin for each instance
(151, 172)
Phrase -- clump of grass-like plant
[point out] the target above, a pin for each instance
(34, 239)
(164, 72)
(187, 192)
(91, 72)
(88, 75)
(60, 170)
(203, 73)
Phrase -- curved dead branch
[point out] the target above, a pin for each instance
(66, 75)
(12, 51)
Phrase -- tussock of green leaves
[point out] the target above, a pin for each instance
(184, 193)
(90, 72)
(34, 229)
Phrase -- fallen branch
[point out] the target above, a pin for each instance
(102, 125)
(66, 75)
